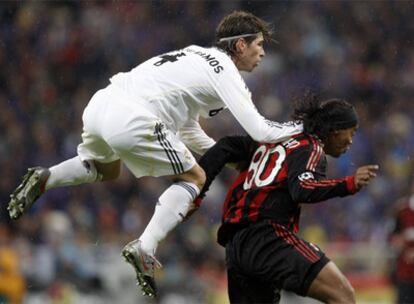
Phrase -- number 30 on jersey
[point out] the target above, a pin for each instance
(265, 166)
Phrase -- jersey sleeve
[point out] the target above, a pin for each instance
(307, 177)
(233, 91)
(194, 137)
(230, 149)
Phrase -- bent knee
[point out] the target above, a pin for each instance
(199, 176)
(331, 286)
(195, 175)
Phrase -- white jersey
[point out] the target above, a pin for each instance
(183, 85)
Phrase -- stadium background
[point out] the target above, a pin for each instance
(54, 55)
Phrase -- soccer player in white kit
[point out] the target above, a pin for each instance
(147, 118)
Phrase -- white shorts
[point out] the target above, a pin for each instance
(115, 127)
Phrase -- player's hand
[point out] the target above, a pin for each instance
(364, 174)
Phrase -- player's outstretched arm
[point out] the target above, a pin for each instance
(307, 185)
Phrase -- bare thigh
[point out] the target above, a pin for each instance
(109, 171)
(331, 286)
(195, 175)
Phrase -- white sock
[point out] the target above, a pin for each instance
(171, 208)
(72, 172)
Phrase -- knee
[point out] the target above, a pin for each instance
(195, 175)
(331, 286)
(199, 177)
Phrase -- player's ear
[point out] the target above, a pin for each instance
(240, 45)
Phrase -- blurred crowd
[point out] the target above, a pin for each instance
(55, 55)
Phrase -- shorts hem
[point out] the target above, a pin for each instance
(313, 273)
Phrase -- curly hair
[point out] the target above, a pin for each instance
(320, 117)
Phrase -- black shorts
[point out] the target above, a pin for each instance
(264, 258)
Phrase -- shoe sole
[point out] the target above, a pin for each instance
(29, 188)
(146, 282)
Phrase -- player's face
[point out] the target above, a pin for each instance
(250, 55)
(338, 142)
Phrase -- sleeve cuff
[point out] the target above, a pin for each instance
(350, 184)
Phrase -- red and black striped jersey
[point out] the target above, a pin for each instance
(277, 180)
(404, 230)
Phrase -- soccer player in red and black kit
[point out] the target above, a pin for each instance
(402, 240)
(262, 209)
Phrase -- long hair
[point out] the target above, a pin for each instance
(320, 117)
